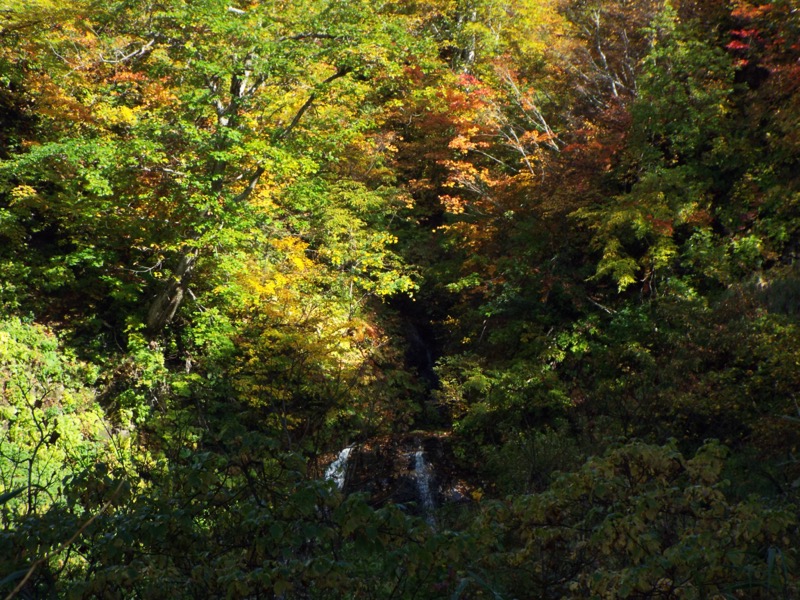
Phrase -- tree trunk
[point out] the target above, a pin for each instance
(169, 299)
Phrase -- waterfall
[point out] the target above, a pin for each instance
(423, 476)
(337, 470)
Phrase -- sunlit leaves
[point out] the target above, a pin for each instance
(636, 231)
(594, 204)
(51, 424)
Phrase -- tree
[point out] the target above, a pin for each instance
(164, 122)
(640, 521)
(672, 157)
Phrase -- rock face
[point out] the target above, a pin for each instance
(415, 471)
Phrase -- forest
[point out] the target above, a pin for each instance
(399, 299)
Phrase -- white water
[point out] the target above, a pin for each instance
(423, 477)
(337, 470)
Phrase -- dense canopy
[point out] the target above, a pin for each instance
(520, 276)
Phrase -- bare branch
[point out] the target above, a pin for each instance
(135, 54)
(600, 306)
(495, 159)
(165, 170)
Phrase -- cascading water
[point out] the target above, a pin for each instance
(422, 474)
(337, 470)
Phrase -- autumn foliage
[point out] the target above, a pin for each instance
(551, 243)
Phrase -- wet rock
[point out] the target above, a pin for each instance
(416, 471)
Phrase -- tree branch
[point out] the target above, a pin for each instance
(312, 36)
(340, 72)
(135, 54)
(63, 546)
(251, 186)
